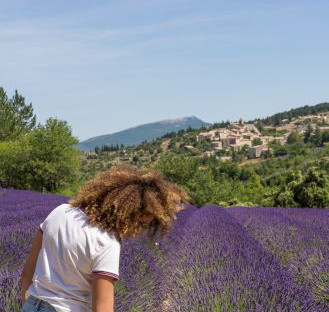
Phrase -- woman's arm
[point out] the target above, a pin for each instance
(29, 268)
(102, 293)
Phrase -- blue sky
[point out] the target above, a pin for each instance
(104, 66)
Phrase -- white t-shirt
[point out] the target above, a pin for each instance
(72, 249)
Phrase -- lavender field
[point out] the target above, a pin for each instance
(213, 259)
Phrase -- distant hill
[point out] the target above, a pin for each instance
(295, 112)
(146, 132)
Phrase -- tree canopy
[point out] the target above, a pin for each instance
(16, 117)
(39, 157)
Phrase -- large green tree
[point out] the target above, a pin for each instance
(310, 190)
(313, 192)
(54, 161)
(16, 117)
(178, 168)
(42, 160)
(15, 164)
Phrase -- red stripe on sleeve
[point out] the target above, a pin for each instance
(104, 273)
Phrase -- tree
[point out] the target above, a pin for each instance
(246, 173)
(54, 162)
(172, 144)
(311, 191)
(256, 141)
(16, 117)
(203, 189)
(286, 195)
(285, 198)
(253, 190)
(277, 120)
(308, 133)
(177, 168)
(14, 164)
(325, 136)
(317, 138)
(259, 125)
(293, 137)
(97, 149)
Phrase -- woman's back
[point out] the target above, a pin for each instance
(72, 249)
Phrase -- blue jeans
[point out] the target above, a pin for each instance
(33, 304)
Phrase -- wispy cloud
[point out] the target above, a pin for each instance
(158, 51)
(46, 43)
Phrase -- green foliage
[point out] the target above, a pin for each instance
(295, 112)
(203, 188)
(14, 164)
(226, 170)
(310, 190)
(178, 168)
(279, 149)
(108, 148)
(313, 191)
(16, 117)
(54, 161)
(252, 190)
(294, 137)
(272, 132)
(308, 133)
(42, 160)
(317, 138)
(259, 125)
(222, 124)
(211, 182)
(296, 181)
(69, 189)
(325, 136)
(204, 146)
(256, 141)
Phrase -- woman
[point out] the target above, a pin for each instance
(74, 260)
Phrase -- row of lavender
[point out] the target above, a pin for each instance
(213, 259)
(21, 212)
(246, 259)
(299, 239)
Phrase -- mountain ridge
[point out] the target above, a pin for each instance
(144, 132)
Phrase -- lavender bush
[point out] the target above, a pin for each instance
(213, 259)
(21, 212)
(299, 238)
(218, 266)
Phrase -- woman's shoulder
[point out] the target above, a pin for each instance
(56, 210)
(98, 235)
(105, 237)
(66, 211)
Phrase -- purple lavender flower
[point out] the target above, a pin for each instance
(212, 259)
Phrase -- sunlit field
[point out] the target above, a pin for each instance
(213, 259)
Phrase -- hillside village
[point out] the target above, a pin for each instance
(240, 134)
(236, 136)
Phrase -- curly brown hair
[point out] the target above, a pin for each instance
(119, 199)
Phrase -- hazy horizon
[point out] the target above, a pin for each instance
(105, 66)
